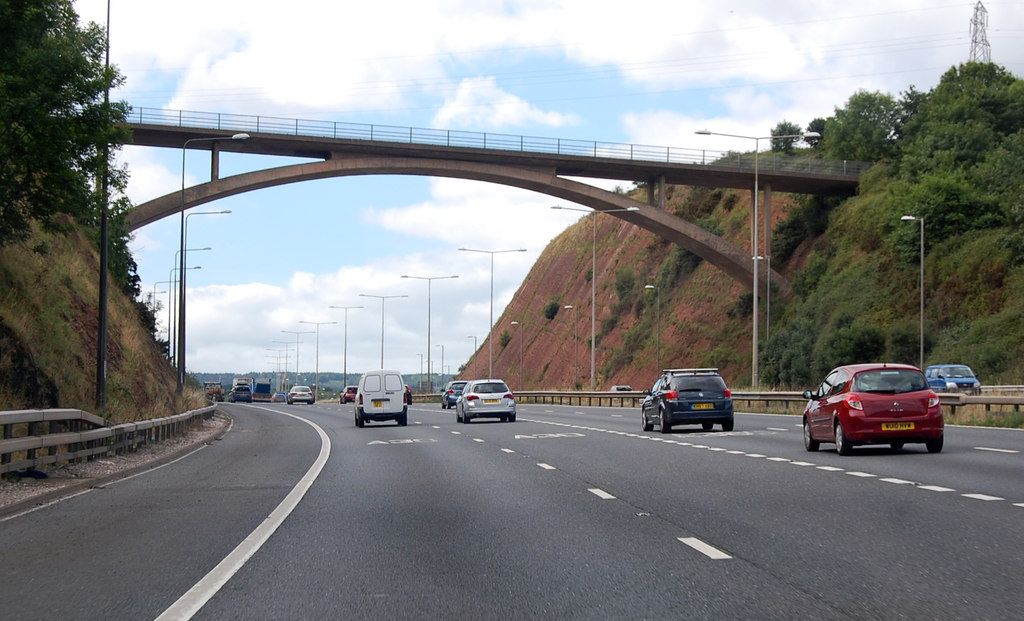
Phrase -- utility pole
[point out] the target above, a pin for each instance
(981, 51)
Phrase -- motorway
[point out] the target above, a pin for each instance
(570, 513)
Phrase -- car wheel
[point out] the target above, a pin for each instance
(896, 445)
(843, 446)
(458, 415)
(402, 420)
(359, 418)
(810, 444)
(728, 425)
(707, 426)
(512, 418)
(666, 427)
(934, 446)
(644, 423)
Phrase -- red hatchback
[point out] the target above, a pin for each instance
(873, 404)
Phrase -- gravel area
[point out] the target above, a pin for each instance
(20, 494)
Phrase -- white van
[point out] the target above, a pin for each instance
(380, 397)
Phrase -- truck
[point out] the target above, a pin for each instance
(262, 391)
(214, 391)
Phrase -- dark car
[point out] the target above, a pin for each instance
(873, 404)
(953, 378)
(240, 394)
(350, 394)
(688, 397)
(451, 393)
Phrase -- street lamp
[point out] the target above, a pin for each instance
(172, 352)
(317, 367)
(181, 284)
(345, 351)
(921, 287)
(755, 256)
(490, 324)
(286, 349)
(442, 368)
(429, 279)
(575, 349)
(657, 339)
(297, 333)
(519, 325)
(382, 298)
(593, 283)
(473, 336)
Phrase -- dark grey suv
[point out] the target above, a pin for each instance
(687, 397)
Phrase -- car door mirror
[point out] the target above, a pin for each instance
(647, 392)
(809, 395)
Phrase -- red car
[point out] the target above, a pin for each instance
(873, 404)
(350, 394)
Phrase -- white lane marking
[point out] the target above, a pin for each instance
(936, 488)
(754, 455)
(705, 549)
(897, 481)
(547, 466)
(830, 468)
(1018, 504)
(600, 493)
(982, 497)
(778, 459)
(192, 602)
(801, 463)
(863, 475)
(457, 433)
(995, 450)
(507, 450)
(776, 429)
(478, 440)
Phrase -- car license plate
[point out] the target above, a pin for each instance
(703, 406)
(378, 403)
(897, 426)
(492, 400)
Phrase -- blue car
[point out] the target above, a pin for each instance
(953, 378)
(451, 393)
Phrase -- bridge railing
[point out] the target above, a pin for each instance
(485, 140)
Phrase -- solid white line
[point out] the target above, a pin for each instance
(600, 493)
(995, 450)
(705, 549)
(193, 601)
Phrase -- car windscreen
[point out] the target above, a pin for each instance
(890, 381)
(697, 383)
(486, 388)
(956, 372)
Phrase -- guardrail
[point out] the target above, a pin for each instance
(31, 438)
(485, 140)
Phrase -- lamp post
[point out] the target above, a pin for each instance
(345, 350)
(382, 298)
(286, 349)
(181, 284)
(317, 364)
(593, 283)
(172, 351)
(657, 339)
(921, 287)
(490, 324)
(575, 349)
(519, 326)
(442, 367)
(297, 333)
(755, 256)
(429, 279)
(473, 336)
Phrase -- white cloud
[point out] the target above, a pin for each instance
(478, 102)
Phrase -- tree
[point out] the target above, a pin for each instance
(785, 145)
(54, 123)
(864, 130)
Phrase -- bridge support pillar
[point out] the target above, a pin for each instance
(656, 192)
(215, 161)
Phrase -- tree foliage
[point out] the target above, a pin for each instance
(786, 145)
(54, 124)
(865, 129)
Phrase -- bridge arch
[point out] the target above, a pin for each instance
(731, 259)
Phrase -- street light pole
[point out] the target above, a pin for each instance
(442, 368)
(657, 339)
(181, 284)
(429, 279)
(317, 364)
(575, 348)
(921, 288)
(490, 324)
(345, 350)
(382, 298)
(755, 255)
(173, 351)
(297, 333)
(593, 284)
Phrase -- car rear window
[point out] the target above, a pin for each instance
(372, 383)
(893, 381)
(490, 387)
(393, 382)
(697, 383)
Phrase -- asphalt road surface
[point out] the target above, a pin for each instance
(569, 513)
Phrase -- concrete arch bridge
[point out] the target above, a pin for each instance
(538, 164)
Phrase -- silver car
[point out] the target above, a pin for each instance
(486, 398)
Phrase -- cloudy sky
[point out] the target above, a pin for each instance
(647, 72)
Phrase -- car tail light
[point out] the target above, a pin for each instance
(933, 399)
(451, 392)
(853, 402)
(508, 395)
(471, 397)
(728, 394)
(671, 394)
(360, 399)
